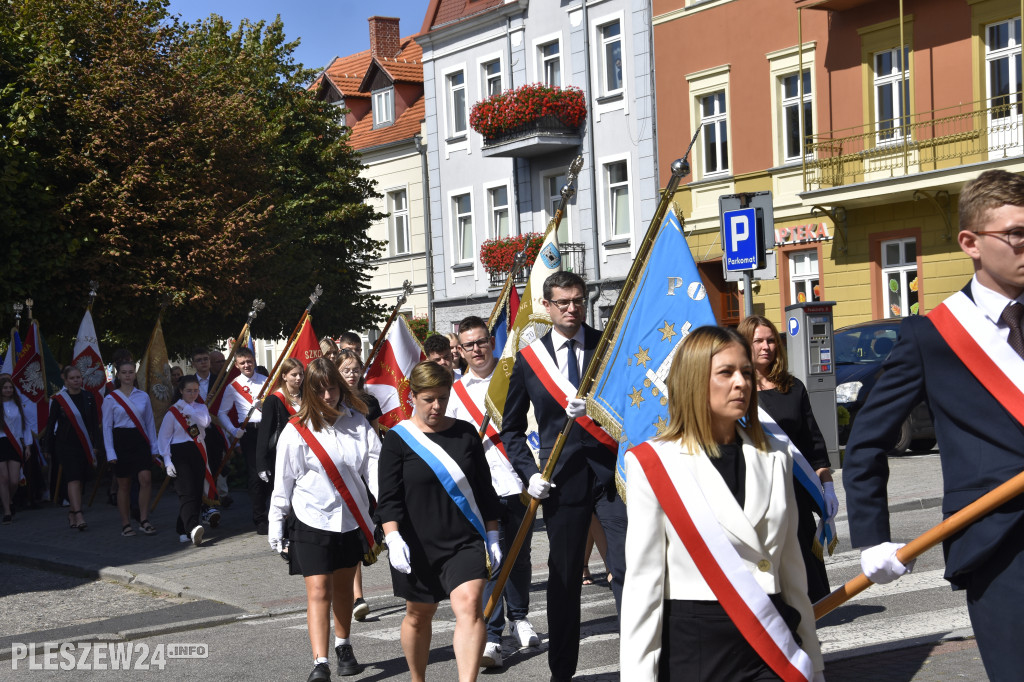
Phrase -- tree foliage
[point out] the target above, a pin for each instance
(172, 161)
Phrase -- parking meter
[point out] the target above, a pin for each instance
(812, 361)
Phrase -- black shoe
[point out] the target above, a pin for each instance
(226, 501)
(262, 528)
(321, 673)
(347, 664)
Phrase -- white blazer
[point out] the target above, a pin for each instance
(658, 567)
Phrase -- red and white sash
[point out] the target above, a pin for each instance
(728, 576)
(127, 407)
(75, 417)
(242, 391)
(491, 433)
(976, 341)
(211, 486)
(284, 400)
(213, 422)
(360, 509)
(560, 388)
(10, 436)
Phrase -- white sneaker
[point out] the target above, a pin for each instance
(197, 536)
(492, 656)
(525, 634)
(183, 538)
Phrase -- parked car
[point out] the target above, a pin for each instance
(860, 350)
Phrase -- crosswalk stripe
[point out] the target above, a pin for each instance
(876, 631)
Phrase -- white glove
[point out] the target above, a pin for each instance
(494, 550)
(187, 409)
(880, 564)
(831, 501)
(398, 552)
(169, 467)
(264, 476)
(576, 408)
(276, 543)
(539, 488)
(258, 405)
(239, 433)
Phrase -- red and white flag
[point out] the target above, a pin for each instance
(30, 374)
(86, 357)
(306, 348)
(387, 378)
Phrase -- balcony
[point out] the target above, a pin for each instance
(573, 260)
(531, 120)
(546, 135)
(928, 141)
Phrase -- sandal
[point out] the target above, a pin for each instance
(71, 520)
(83, 525)
(587, 578)
(126, 531)
(147, 527)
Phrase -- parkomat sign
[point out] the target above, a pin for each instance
(801, 233)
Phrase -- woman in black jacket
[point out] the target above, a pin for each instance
(280, 406)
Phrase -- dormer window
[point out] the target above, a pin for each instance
(383, 107)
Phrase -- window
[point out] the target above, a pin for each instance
(552, 63)
(497, 206)
(892, 95)
(1002, 57)
(398, 207)
(617, 177)
(383, 107)
(716, 139)
(462, 210)
(899, 277)
(553, 185)
(804, 278)
(456, 103)
(492, 77)
(611, 58)
(797, 129)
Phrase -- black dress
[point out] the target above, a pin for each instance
(445, 549)
(372, 404)
(275, 418)
(60, 437)
(792, 412)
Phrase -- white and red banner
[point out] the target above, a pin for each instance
(29, 374)
(306, 348)
(86, 357)
(387, 378)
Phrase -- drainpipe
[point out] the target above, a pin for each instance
(596, 293)
(422, 150)
(515, 161)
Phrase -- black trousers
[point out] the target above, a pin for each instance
(994, 597)
(817, 578)
(258, 490)
(567, 526)
(214, 448)
(188, 484)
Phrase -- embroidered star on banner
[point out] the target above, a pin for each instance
(636, 397)
(668, 331)
(661, 425)
(643, 357)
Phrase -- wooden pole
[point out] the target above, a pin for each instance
(933, 536)
(221, 379)
(406, 290)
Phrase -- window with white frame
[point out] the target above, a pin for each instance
(497, 208)
(492, 77)
(456, 103)
(617, 178)
(462, 223)
(1003, 72)
(383, 107)
(553, 185)
(551, 63)
(398, 207)
(892, 94)
(804, 276)
(797, 119)
(611, 58)
(899, 277)
(716, 137)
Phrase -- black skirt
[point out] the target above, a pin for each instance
(321, 552)
(431, 583)
(132, 451)
(7, 451)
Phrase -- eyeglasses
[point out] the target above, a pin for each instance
(563, 304)
(479, 343)
(1013, 238)
(350, 372)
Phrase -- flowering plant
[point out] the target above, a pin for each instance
(499, 255)
(516, 108)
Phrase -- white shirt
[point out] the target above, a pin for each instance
(562, 350)
(241, 405)
(12, 415)
(503, 476)
(114, 417)
(992, 303)
(204, 385)
(302, 485)
(171, 432)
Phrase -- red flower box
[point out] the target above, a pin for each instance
(499, 255)
(521, 109)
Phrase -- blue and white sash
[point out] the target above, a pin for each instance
(451, 476)
(804, 474)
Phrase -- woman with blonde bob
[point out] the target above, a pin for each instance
(440, 517)
(714, 570)
(326, 458)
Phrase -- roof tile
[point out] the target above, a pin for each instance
(408, 124)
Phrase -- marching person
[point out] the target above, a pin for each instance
(547, 374)
(280, 405)
(351, 341)
(438, 349)
(181, 442)
(784, 411)
(15, 437)
(714, 576)
(241, 395)
(129, 437)
(467, 404)
(217, 440)
(440, 519)
(328, 349)
(965, 359)
(69, 437)
(326, 458)
(213, 438)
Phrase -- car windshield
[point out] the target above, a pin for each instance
(865, 345)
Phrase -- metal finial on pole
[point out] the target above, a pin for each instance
(28, 304)
(18, 307)
(315, 296)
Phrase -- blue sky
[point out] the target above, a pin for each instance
(327, 29)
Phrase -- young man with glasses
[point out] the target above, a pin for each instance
(467, 403)
(546, 375)
(966, 360)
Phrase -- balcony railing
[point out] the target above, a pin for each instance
(926, 141)
(573, 260)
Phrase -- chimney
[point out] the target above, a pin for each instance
(384, 37)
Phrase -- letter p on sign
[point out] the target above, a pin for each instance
(739, 230)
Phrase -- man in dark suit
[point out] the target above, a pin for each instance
(583, 482)
(966, 359)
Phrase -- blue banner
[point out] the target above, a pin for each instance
(668, 302)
